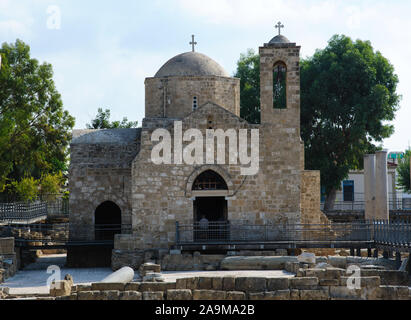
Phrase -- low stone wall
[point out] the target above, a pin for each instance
(317, 284)
(241, 260)
(8, 259)
(181, 262)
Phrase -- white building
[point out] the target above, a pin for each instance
(351, 195)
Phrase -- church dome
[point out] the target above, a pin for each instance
(279, 39)
(191, 64)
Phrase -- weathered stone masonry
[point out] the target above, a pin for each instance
(116, 165)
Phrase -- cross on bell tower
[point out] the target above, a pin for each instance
(278, 26)
(193, 43)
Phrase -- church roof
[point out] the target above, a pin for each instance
(279, 39)
(106, 136)
(191, 64)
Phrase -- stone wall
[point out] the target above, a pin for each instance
(181, 90)
(8, 259)
(311, 198)
(320, 284)
(161, 194)
(100, 170)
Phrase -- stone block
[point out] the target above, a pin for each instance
(338, 262)
(205, 283)
(191, 283)
(217, 283)
(342, 292)
(179, 294)
(292, 267)
(209, 295)
(250, 284)
(102, 286)
(81, 287)
(229, 283)
(111, 295)
(333, 273)
(181, 284)
(318, 273)
(157, 295)
(85, 295)
(365, 282)
(131, 295)
(132, 286)
(393, 293)
(256, 263)
(329, 282)
(304, 283)
(388, 277)
(156, 286)
(60, 288)
(320, 294)
(274, 284)
(306, 257)
(271, 295)
(294, 294)
(235, 295)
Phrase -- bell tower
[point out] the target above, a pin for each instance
(280, 82)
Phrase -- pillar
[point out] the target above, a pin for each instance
(381, 186)
(369, 186)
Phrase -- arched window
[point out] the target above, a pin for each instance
(195, 103)
(209, 180)
(280, 86)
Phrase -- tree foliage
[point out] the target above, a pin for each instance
(27, 189)
(403, 170)
(102, 121)
(35, 131)
(248, 70)
(348, 93)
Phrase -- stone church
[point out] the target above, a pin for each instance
(113, 180)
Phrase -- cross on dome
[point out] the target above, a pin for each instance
(278, 26)
(193, 43)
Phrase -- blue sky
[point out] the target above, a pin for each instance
(104, 50)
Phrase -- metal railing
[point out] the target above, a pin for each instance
(392, 233)
(61, 234)
(22, 212)
(374, 232)
(16, 212)
(396, 201)
(243, 232)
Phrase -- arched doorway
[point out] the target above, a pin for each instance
(107, 221)
(210, 207)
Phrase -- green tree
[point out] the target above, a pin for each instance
(35, 131)
(403, 170)
(50, 186)
(102, 121)
(27, 189)
(248, 70)
(348, 92)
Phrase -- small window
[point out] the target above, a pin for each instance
(195, 103)
(348, 190)
(280, 86)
